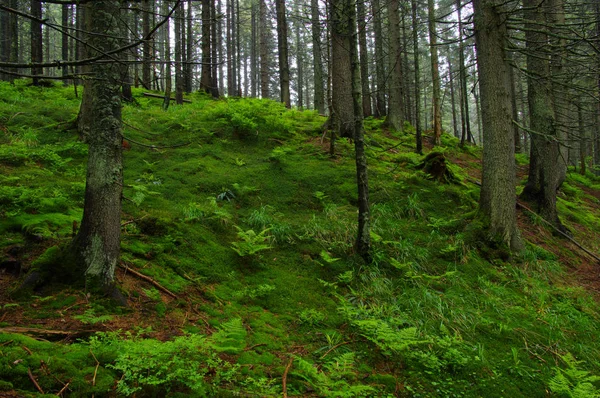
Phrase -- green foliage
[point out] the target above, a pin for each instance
(89, 317)
(337, 378)
(250, 243)
(574, 382)
(230, 337)
(250, 118)
(311, 317)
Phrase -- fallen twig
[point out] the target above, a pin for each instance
(150, 280)
(163, 97)
(254, 346)
(95, 370)
(34, 381)
(334, 347)
(63, 389)
(285, 373)
(6, 343)
(27, 350)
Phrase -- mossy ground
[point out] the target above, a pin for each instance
(430, 317)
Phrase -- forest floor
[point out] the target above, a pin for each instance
(437, 313)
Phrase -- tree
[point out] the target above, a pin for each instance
(547, 168)
(264, 50)
(435, 74)
(395, 114)
(36, 39)
(419, 144)
(206, 80)
(380, 102)
(97, 244)
(282, 46)
(342, 118)
(319, 96)
(497, 202)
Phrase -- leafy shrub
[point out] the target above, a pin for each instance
(574, 382)
(250, 242)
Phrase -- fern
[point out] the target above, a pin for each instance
(230, 338)
(574, 382)
(337, 379)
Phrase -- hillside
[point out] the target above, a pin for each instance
(238, 265)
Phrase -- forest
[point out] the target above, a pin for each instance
(339, 198)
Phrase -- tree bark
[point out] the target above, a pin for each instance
(167, 44)
(178, 55)
(435, 74)
(453, 99)
(546, 165)
(264, 50)
(380, 102)
(319, 97)
(364, 58)
(342, 118)
(282, 46)
(497, 203)
(147, 46)
(415, 27)
(206, 80)
(96, 246)
(395, 114)
(363, 239)
(36, 39)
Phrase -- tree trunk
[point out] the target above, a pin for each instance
(597, 130)
(380, 103)
(6, 40)
(282, 46)
(363, 238)
(453, 99)
(147, 46)
(342, 119)
(206, 79)
(178, 55)
(126, 71)
(264, 50)
(36, 39)
(545, 169)
(395, 115)
(189, 68)
(415, 25)
(253, 51)
(167, 44)
(217, 50)
(582, 139)
(96, 245)
(497, 202)
(319, 97)
(364, 58)
(435, 74)
(464, 93)
(299, 60)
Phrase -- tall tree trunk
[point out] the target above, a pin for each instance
(597, 132)
(282, 46)
(299, 59)
(363, 239)
(415, 25)
(364, 58)
(342, 119)
(167, 44)
(453, 99)
(515, 109)
(395, 116)
(253, 50)
(36, 39)
(319, 97)
(217, 50)
(147, 46)
(497, 203)
(189, 68)
(126, 35)
(381, 77)
(545, 169)
(206, 79)
(97, 244)
(464, 93)
(406, 76)
(264, 50)
(435, 74)
(178, 55)
(229, 47)
(582, 139)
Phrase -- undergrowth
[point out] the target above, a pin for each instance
(251, 225)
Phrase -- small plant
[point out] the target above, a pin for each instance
(89, 317)
(311, 317)
(574, 382)
(250, 242)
